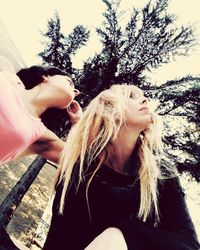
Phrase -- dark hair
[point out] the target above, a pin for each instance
(34, 75)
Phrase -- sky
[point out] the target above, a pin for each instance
(25, 19)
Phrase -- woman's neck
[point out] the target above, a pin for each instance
(35, 103)
(40, 99)
(121, 150)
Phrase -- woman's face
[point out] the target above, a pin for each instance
(137, 112)
(64, 87)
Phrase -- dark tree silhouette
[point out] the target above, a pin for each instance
(54, 47)
(58, 48)
(149, 39)
(180, 103)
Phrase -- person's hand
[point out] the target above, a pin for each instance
(74, 111)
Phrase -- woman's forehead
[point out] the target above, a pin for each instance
(136, 90)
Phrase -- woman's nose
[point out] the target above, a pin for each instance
(144, 100)
(77, 92)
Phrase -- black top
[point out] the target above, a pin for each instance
(114, 200)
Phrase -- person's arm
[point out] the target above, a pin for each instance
(174, 212)
(173, 209)
(48, 146)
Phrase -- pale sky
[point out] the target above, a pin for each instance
(24, 19)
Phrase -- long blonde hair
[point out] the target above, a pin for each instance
(89, 139)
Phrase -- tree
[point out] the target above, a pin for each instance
(180, 100)
(149, 39)
(53, 51)
(59, 48)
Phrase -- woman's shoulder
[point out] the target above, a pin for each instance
(170, 186)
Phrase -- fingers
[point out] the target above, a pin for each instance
(74, 108)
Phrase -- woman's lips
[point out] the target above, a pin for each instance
(144, 108)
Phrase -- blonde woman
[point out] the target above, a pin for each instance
(112, 193)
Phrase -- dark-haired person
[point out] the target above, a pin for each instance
(23, 99)
(112, 193)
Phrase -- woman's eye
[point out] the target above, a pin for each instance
(132, 95)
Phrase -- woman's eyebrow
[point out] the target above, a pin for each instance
(70, 81)
(138, 94)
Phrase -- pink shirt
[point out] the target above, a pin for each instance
(18, 128)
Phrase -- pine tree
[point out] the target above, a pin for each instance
(149, 39)
(180, 104)
(54, 48)
(58, 48)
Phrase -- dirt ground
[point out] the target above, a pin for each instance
(25, 221)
